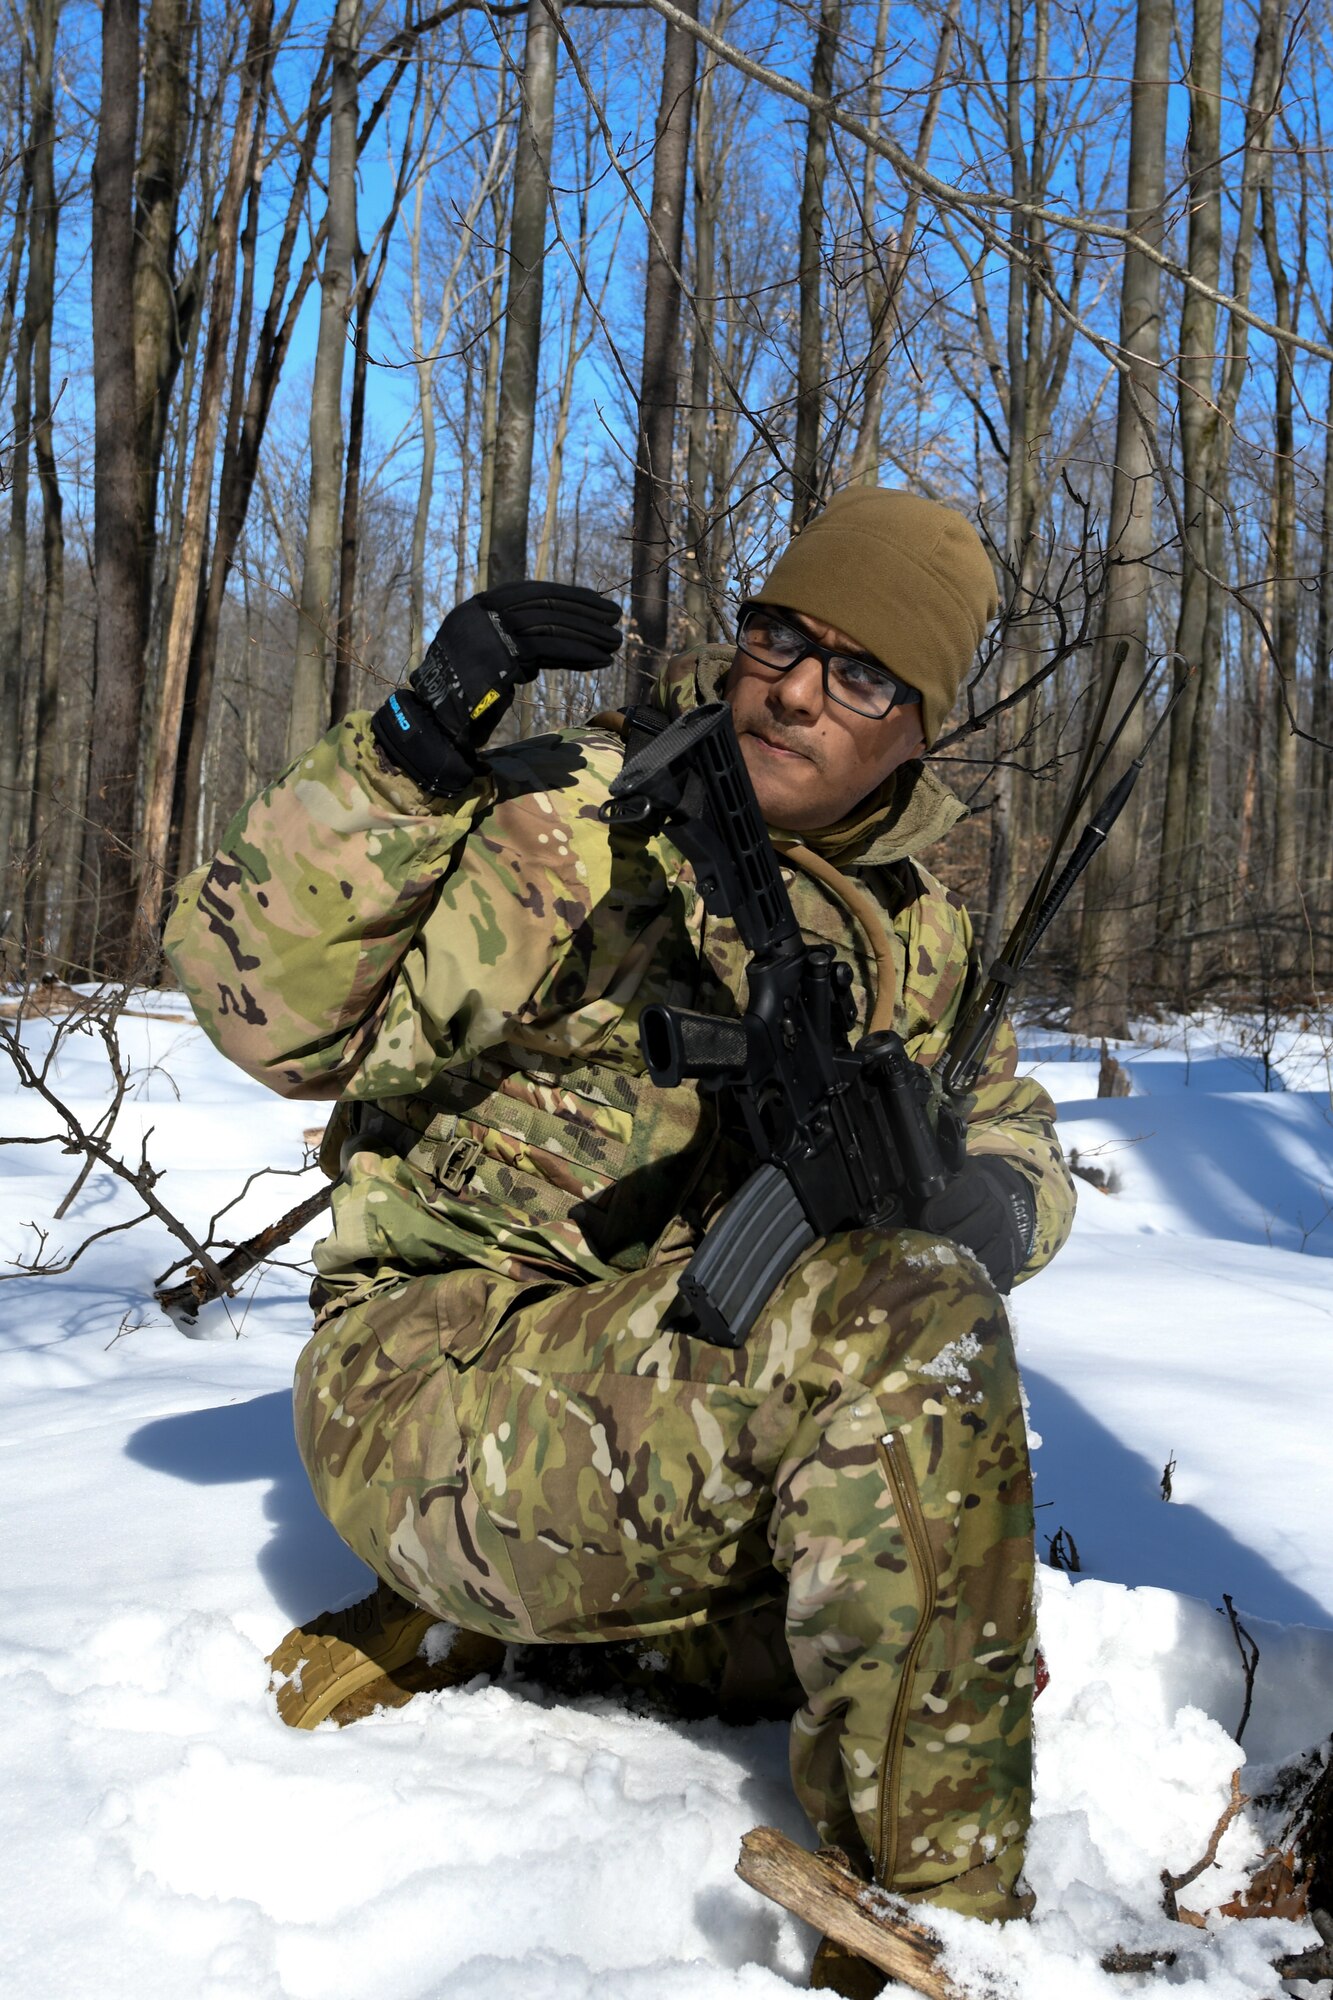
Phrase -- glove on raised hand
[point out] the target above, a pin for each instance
(434, 728)
(989, 1208)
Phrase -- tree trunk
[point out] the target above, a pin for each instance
(700, 584)
(517, 398)
(309, 715)
(425, 371)
(1110, 912)
(490, 404)
(658, 380)
(45, 842)
(555, 467)
(247, 420)
(1199, 469)
(185, 603)
(1321, 720)
(1286, 804)
(1027, 178)
(345, 656)
(159, 334)
(806, 479)
(118, 658)
(12, 620)
(1201, 703)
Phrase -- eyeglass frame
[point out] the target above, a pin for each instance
(904, 695)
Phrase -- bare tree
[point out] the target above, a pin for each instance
(1101, 999)
(659, 391)
(118, 660)
(309, 713)
(516, 402)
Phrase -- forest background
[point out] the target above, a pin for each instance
(312, 322)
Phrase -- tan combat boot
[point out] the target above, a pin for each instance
(343, 1664)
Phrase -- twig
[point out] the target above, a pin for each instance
(95, 1145)
(1171, 1884)
(1249, 1661)
(1062, 1552)
(1120, 1960)
(199, 1286)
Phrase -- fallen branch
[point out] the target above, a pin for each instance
(827, 1895)
(1172, 1884)
(200, 1286)
(1317, 1963)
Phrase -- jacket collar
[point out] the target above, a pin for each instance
(910, 809)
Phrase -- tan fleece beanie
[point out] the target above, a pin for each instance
(909, 580)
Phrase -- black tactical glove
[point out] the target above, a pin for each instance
(434, 728)
(990, 1209)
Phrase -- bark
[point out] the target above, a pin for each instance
(1101, 998)
(1321, 720)
(1023, 328)
(184, 608)
(517, 395)
(1201, 703)
(118, 657)
(1286, 806)
(700, 583)
(253, 387)
(309, 715)
(564, 403)
(45, 842)
(344, 656)
(425, 369)
(1199, 454)
(160, 323)
(12, 606)
(490, 407)
(806, 478)
(658, 380)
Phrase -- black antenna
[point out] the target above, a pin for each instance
(970, 1042)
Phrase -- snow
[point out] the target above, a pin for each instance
(164, 1833)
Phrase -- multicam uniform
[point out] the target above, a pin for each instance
(490, 1410)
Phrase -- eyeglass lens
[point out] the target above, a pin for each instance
(856, 684)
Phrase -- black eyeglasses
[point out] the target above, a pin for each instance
(865, 687)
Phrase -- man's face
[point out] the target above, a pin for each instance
(810, 760)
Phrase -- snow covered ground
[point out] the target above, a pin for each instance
(164, 1835)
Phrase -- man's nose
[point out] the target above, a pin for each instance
(799, 693)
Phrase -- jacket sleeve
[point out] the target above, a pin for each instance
(289, 943)
(1010, 1117)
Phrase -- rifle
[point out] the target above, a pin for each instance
(846, 1136)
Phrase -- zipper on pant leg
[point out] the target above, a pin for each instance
(907, 1500)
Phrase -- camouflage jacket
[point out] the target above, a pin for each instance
(466, 977)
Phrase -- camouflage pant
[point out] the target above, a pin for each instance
(553, 1466)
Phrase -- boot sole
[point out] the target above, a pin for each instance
(317, 1660)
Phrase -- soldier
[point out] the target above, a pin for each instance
(456, 949)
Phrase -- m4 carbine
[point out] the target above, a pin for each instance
(847, 1136)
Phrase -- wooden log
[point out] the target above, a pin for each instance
(854, 1913)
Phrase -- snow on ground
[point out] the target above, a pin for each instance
(165, 1835)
